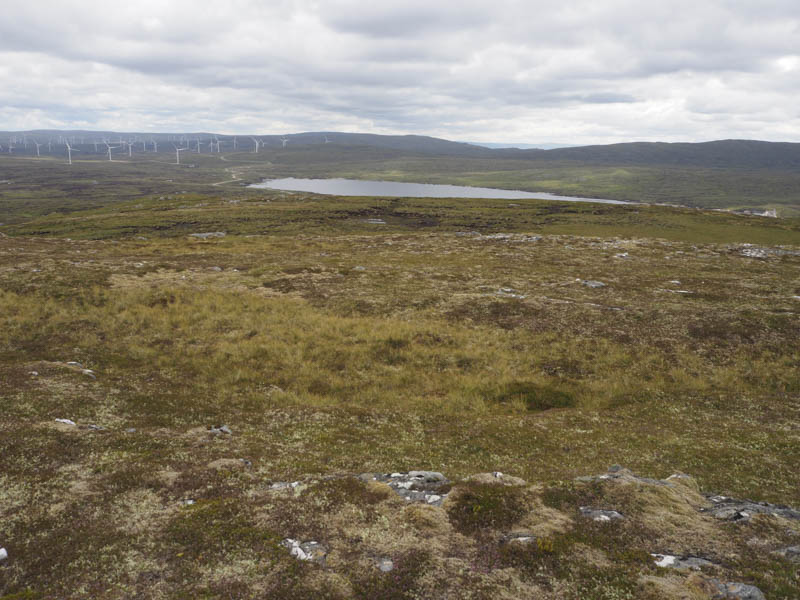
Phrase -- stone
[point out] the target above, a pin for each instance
(414, 486)
(130, 430)
(732, 591)
(359, 268)
(385, 564)
(3, 554)
(310, 551)
(730, 509)
(220, 429)
(519, 537)
(694, 563)
(600, 515)
(217, 269)
(33, 373)
(592, 283)
(89, 373)
(375, 221)
(73, 363)
(67, 422)
(208, 234)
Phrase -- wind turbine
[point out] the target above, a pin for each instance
(69, 151)
(95, 146)
(110, 147)
(50, 145)
(327, 141)
(178, 154)
(38, 145)
(284, 141)
(155, 145)
(198, 145)
(234, 144)
(256, 142)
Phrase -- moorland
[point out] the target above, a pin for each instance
(219, 394)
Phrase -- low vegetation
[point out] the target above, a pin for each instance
(459, 337)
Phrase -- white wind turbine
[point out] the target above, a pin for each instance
(284, 141)
(155, 145)
(256, 142)
(50, 145)
(69, 151)
(38, 145)
(95, 146)
(178, 154)
(110, 147)
(327, 141)
(234, 143)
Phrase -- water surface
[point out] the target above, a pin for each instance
(395, 189)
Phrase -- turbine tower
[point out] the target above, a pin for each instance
(178, 154)
(284, 141)
(69, 151)
(256, 142)
(38, 145)
(110, 147)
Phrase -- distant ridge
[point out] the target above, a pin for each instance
(739, 154)
(724, 154)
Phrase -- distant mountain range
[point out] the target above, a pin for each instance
(731, 154)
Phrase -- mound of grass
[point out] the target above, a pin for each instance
(478, 507)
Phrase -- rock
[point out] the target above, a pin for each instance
(94, 427)
(414, 486)
(600, 515)
(468, 234)
(187, 502)
(220, 429)
(622, 255)
(730, 509)
(385, 564)
(509, 293)
(67, 422)
(89, 373)
(519, 537)
(130, 430)
(731, 591)
(791, 552)
(33, 373)
(681, 562)
(616, 472)
(592, 283)
(73, 363)
(3, 554)
(283, 485)
(359, 268)
(311, 551)
(217, 269)
(208, 234)
(754, 252)
(375, 221)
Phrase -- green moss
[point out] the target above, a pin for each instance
(478, 507)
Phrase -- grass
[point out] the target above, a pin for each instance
(332, 347)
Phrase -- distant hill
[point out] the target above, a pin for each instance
(728, 154)
(738, 154)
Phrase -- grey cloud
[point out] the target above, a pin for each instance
(619, 69)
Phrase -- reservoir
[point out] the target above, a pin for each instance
(394, 189)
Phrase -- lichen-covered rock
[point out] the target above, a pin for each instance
(428, 487)
(719, 590)
(791, 552)
(600, 515)
(311, 551)
(730, 509)
(695, 563)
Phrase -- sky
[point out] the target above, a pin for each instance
(524, 71)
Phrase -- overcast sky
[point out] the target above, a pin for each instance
(593, 71)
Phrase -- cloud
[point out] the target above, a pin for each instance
(510, 70)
